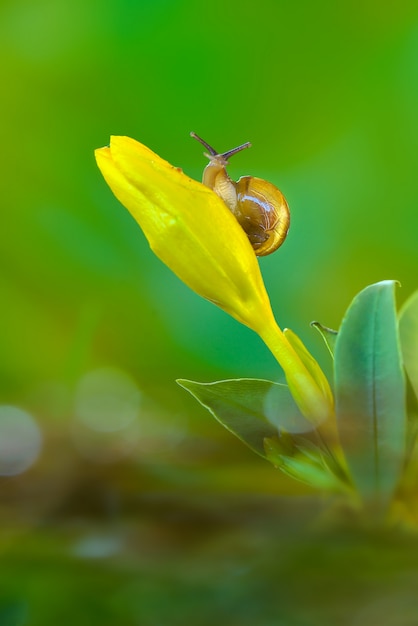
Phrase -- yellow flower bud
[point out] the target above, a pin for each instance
(187, 226)
(194, 233)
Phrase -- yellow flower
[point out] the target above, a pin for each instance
(194, 233)
(187, 226)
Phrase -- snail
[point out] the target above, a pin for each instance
(260, 208)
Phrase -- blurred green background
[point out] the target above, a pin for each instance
(122, 502)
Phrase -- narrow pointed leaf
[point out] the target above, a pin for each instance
(370, 391)
(328, 335)
(408, 331)
(251, 409)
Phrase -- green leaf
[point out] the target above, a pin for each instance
(370, 390)
(249, 408)
(328, 335)
(305, 464)
(408, 332)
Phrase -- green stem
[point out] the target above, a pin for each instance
(309, 397)
(313, 401)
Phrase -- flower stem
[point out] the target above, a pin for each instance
(314, 404)
(314, 401)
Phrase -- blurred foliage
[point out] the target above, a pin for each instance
(327, 93)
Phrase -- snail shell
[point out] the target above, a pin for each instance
(260, 208)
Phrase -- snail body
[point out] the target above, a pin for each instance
(260, 208)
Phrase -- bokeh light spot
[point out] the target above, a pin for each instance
(20, 440)
(98, 546)
(107, 400)
(280, 409)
